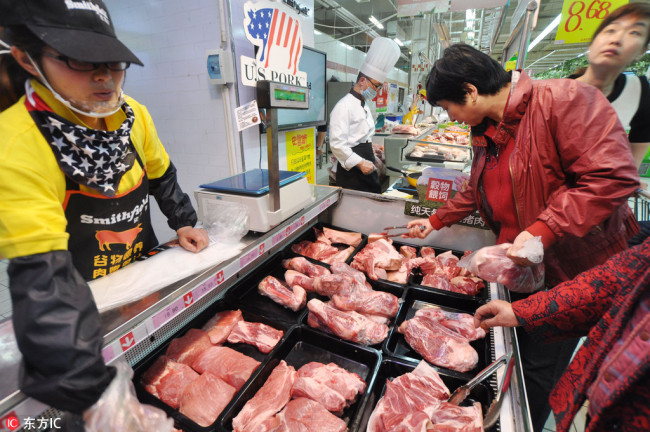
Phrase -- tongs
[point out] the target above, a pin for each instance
(385, 231)
(492, 414)
(463, 391)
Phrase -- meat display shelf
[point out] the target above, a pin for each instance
(135, 330)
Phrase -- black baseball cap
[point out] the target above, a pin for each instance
(79, 29)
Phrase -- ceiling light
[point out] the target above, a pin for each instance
(398, 42)
(545, 32)
(376, 22)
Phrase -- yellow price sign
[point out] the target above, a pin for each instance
(300, 152)
(581, 18)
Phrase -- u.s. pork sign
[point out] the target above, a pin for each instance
(276, 32)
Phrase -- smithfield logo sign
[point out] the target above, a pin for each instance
(276, 32)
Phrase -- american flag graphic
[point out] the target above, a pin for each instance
(278, 35)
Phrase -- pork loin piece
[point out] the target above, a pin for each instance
(292, 298)
(263, 336)
(351, 326)
(420, 391)
(439, 345)
(461, 323)
(302, 265)
(348, 238)
(269, 399)
(450, 417)
(166, 379)
(188, 347)
(219, 326)
(231, 366)
(305, 415)
(205, 398)
(329, 384)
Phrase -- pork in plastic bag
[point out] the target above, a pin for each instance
(119, 410)
(225, 221)
(492, 264)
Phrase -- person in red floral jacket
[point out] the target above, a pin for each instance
(611, 305)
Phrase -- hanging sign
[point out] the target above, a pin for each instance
(300, 152)
(381, 100)
(276, 32)
(581, 18)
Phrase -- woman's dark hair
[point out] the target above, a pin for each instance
(461, 65)
(639, 10)
(12, 75)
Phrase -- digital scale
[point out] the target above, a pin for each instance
(271, 196)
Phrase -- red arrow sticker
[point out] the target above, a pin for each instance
(127, 341)
(188, 299)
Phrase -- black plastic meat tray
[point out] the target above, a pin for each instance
(391, 368)
(304, 345)
(181, 420)
(245, 292)
(431, 158)
(396, 345)
(395, 289)
(310, 235)
(416, 279)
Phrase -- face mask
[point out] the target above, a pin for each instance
(369, 93)
(105, 109)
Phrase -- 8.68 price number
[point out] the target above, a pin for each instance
(579, 10)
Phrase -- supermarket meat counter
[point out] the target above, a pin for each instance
(306, 343)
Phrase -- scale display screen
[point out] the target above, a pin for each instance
(290, 95)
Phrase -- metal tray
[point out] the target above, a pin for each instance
(394, 289)
(304, 345)
(392, 368)
(396, 345)
(311, 236)
(181, 420)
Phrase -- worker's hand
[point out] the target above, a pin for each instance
(518, 244)
(366, 166)
(419, 228)
(495, 313)
(193, 239)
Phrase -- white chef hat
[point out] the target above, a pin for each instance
(380, 58)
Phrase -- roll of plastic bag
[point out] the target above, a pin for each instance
(119, 410)
(225, 221)
(492, 264)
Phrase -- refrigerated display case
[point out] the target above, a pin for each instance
(140, 331)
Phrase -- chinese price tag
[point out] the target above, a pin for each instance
(580, 18)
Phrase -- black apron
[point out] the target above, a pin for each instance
(106, 233)
(354, 178)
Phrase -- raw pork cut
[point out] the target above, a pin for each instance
(219, 326)
(419, 391)
(348, 238)
(461, 323)
(331, 385)
(467, 285)
(205, 398)
(329, 285)
(367, 302)
(376, 258)
(439, 345)
(269, 399)
(305, 415)
(263, 336)
(188, 347)
(293, 278)
(302, 265)
(277, 291)
(454, 418)
(231, 366)
(345, 269)
(351, 326)
(166, 379)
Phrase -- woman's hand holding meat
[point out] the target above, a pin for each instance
(193, 239)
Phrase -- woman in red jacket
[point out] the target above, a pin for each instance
(551, 159)
(610, 303)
